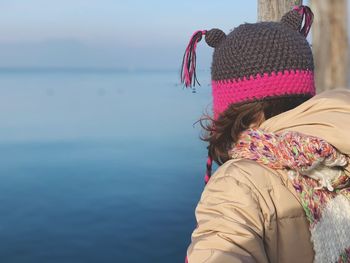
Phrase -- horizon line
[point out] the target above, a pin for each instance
(53, 69)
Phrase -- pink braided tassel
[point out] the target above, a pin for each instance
(208, 172)
(308, 18)
(188, 68)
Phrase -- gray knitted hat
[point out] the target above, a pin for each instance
(257, 61)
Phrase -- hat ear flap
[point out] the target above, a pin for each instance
(294, 19)
(214, 37)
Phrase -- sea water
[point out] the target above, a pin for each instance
(98, 166)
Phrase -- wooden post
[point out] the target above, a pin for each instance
(330, 44)
(273, 10)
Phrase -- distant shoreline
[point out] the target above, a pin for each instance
(84, 70)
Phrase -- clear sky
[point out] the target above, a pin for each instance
(111, 33)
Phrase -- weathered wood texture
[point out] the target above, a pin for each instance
(273, 10)
(330, 43)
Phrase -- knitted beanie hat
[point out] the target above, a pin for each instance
(257, 62)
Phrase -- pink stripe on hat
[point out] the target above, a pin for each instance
(226, 92)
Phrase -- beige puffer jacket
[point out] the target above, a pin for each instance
(250, 213)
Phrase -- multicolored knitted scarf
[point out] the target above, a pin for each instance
(316, 169)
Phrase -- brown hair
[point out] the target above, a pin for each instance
(222, 132)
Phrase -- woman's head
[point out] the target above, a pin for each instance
(258, 71)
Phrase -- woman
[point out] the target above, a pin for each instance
(281, 193)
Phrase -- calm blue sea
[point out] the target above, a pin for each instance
(98, 166)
